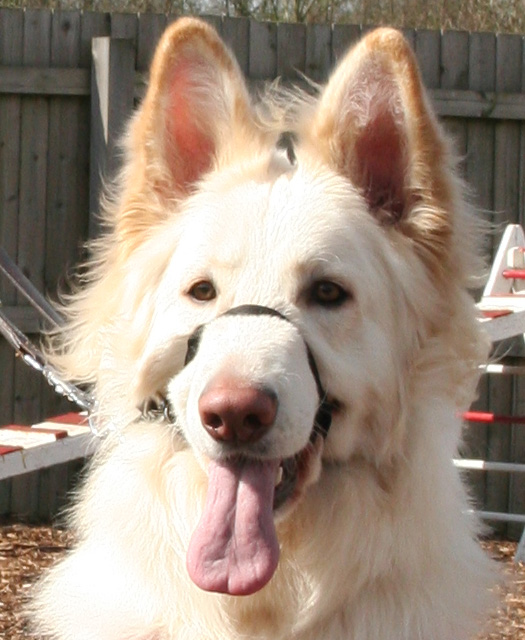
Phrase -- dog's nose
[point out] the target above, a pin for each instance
(230, 412)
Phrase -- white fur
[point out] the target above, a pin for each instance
(380, 545)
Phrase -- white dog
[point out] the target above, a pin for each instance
(269, 270)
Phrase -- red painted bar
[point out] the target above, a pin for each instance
(495, 313)
(5, 449)
(514, 274)
(482, 416)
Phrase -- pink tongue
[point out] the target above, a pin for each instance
(234, 548)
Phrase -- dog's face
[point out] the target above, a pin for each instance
(265, 243)
(337, 238)
(248, 392)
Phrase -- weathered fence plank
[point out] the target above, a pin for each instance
(454, 75)
(479, 105)
(343, 37)
(63, 230)
(33, 192)
(522, 142)
(485, 105)
(479, 170)
(410, 37)
(291, 50)
(31, 229)
(506, 150)
(112, 99)
(480, 158)
(125, 26)
(93, 25)
(35, 81)
(263, 50)
(318, 51)
(427, 47)
(11, 39)
(150, 28)
(236, 34)
(508, 79)
(506, 205)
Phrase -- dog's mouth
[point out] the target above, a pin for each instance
(294, 473)
(234, 548)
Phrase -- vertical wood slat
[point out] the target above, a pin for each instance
(480, 156)
(410, 37)
(150, 28)
(509, 57)
(427, 47)
(291, 50)
(454, 75)
(508, 79)
(11, 40)
(63, 228)
(31, 230)
(517, 486)
(112, 89)
(263, 50)
(125, 26)
(33, 194)
(501, 395)
(522, 145)
(479, 174)
(318, 51)
(452, 71)
(343, 37)
(236, 34)
(93, 25)
(35, 126)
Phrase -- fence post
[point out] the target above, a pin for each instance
(112, 92)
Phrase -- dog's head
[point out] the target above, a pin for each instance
(350, 238)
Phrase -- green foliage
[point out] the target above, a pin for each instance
(469, 15)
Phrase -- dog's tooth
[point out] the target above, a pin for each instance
(279, 475)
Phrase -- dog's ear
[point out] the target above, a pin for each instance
(373, 125)
(195, 100)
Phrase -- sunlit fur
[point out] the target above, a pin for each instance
(379, 546)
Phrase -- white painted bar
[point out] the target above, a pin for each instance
(485, 465)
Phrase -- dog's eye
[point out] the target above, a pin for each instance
(203, 291)
(328, 294)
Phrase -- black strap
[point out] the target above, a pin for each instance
(323, 418)
(254, 310)
(193, 344)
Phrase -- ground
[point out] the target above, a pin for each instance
(26, 550)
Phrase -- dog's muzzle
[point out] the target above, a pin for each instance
(323, 417)
(235, 534)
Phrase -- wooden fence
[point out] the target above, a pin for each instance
(52, 151)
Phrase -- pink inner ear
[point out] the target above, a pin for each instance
(189, 144)
(381, 160)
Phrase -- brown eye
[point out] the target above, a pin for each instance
(202, 291)
(328, 294)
